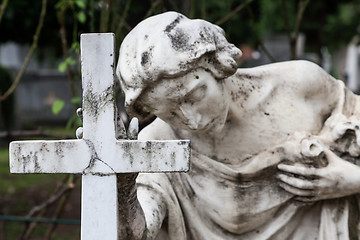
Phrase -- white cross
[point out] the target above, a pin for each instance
(99, 155)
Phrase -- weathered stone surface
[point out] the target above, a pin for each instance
(66, 156)
(80, 156)
(275, 149)
(99, 156)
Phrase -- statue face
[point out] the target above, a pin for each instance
(196, 102)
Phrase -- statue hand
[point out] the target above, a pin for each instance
(121, 132)
(345, 134)
(127, 180)
(338, 179)
(79, 131)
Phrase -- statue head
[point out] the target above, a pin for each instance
(168, 46)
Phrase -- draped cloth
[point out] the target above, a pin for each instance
(219, 201)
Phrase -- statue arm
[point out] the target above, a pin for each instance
(141, 209)
(131, 216)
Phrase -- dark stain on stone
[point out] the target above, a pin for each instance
(149, 153)
(173, 158)
(180, 41)
(44, 148)
(59, 149)
(172, 25)
(144, 58)
(24, 162)
(95, 102)
(127, 149)
(36, 163)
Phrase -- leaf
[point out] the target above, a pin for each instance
(80, 4)
(75, 46)
(70, 61)
(76, 100)
(62, 66)
(57, 106)
(81, 17)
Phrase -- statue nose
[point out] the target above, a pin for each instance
(192, 117)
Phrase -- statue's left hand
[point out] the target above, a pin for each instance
(338, 179)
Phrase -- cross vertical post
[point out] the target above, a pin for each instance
(99, 192)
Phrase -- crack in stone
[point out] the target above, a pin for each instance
(94, 158)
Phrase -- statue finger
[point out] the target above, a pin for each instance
(79, 113)
(342, 128)
(79, 133)
(296, 191)
(133, 129)
(297, 182)
(299, 170)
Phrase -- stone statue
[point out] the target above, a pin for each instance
(275, 148)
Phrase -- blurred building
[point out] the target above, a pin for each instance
(41, 85)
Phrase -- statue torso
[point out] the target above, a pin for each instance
(233, 188)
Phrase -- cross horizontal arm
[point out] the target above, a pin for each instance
(61, 156)
(81, 156)
(152, 156)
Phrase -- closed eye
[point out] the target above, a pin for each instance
(197, 94)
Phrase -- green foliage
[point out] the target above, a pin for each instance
(81, 4)
(73, 123)
(76, 100)
(325, 23)
(81, 17)
(69, 61)
(331, 23)
(343, 25)
(57, 106)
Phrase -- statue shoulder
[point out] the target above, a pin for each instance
(313, 81)
(157, 130)
(307, 75)
(301, 76)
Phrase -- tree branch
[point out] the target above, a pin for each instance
(302, 6)
(152, 8)
(43, 207)
(105, 15)
(233, 12)
(61, 205)
(286, 20)
(293, 38)
(2, 8)
(30, 53)
(61, 21)
(260, 42)
(123, 17)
